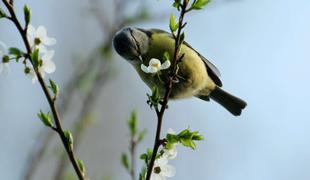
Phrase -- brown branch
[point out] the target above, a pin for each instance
(172, 75)
(58, 128)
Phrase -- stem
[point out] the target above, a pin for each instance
(172, 75)
(58, 128)
(133, 144)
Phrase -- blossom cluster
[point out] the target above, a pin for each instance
(38, 41)
(162, 169)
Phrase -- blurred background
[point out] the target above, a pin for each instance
(261, 48)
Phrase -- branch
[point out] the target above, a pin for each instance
(59, 129)
(172, 75)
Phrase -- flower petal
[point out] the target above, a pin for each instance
(42, 48)
(31, 35)
(49, 41)
(5, 68)
(168, 171)
(170, 153)
(154, 61)
(48, 55)
(155, 176)
(33, 76)
(152, 69)
(171, 131)
(3, 49)
(49, 66)
(41, 32)
(144, 68)
(161, 161)
(165, 65)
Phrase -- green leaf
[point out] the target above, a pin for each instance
(199, 4)
(2, 13)
(173, 24)
(143, 173)
(182, 37)
(154, 99)
(166, 56)
(132, 123)
(125, 161)
(177, 4)
(15, 51)
(45, 118)
(142, 135)
(27, 14)
(69, 138)
(172, 138)
(81, 165)
(35, 58)
(143, 156)
(54, 87)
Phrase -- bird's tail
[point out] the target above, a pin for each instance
(232, 103)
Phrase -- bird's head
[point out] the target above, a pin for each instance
(131, 43)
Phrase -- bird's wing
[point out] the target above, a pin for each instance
(212, 70)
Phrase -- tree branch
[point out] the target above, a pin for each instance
(169, 86)
(58, 128)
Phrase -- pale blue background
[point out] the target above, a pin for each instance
(262, 49)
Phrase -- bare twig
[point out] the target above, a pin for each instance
(58, 128)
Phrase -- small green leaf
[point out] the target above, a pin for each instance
(182, 37)
(143, 156)
(173, 24)
(2, 13)
(69, 138)
(132, 123)
(15, 51)
(171, 138)
(27, 14)
(142, 135)
(125, 161)
(177, 4)
(54, 87)
(199, 4)
(81, 165)
(166, 56)
(45, 118)
(143, 173)
(35, 58)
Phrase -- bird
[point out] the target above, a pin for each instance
(197, 77)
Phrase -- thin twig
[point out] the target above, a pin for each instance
(59, 129)
(133, 145)
(169, 86)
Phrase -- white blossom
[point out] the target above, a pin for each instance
(48, 66)
(4, 66)
(155, 66)
(162, 169)
(31, 74)
(38, 38)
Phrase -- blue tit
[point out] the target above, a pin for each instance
(196, 76)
